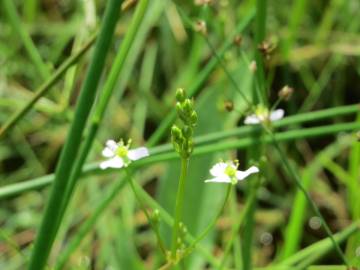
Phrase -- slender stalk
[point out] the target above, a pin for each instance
(293, 234)
(89, 223)
(236, 227)
(211, 224)
(179, 207)
(146, 198)
(47, 231)
(166, 155)
(298, 183)
(200, 79)
(102, 104)
(320, 247)
(143, 208)
(10, 10)
(45, 87)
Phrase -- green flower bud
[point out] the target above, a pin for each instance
(176, 133)
(156, 216)
(188, 106)
(193, 118)
(180, 95)
(187, 131)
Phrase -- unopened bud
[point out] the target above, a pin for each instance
(156, 216)
(253, 66)
(193, 118)
(286, 92)
(229, 106)
(188, 106)
(238, 40)
(187, 131)
(180, 95)
(176, 133)
(200, 26)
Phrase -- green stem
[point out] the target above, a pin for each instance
(47, 231)
(200, 79)
(320, 247)
(211, 224)
(166, 154)
(179, 207)
(102, 104)
(143, 208)
(10, 10)
(236, 227)
(89, 223)
(45, 87)
(298, 183)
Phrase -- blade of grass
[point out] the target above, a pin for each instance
(321, 247)
(102, 103)
(45, 87)
(47, 231)
(200, 79)
(293, 233)
(15, 21)
(14, 189)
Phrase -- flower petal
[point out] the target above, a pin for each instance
(138, 153)
(107, 152)
(218, 169)
(277, 115)
(115, 162)
(251, 120)
(221, 179)
(240, 175)
(111, 144)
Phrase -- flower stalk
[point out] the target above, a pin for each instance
(182, 140)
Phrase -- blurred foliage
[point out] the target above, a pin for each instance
(316, 48)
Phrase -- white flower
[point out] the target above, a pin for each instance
(263, 115)
(119, 155)
(228, 173)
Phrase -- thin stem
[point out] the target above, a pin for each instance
(298, 183)
(89, 223)
(10, 10)
(211, 224)
(143, 208)
(47, 231)
(201, 78)
(102, 104)
(166, 154)
(320, 247)
(179, 207)
(46, 86)
(236, 228)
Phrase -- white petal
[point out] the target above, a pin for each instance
(218, 169)
(115, 162)
(240, 175)
(112, 145)
(107, 152)
(220, 179)
(251, 120)
(276, 115)
(138, 153)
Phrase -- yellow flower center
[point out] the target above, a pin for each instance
(262, 112)
(122, 151)
(230, 171)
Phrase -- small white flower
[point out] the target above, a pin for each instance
(228, 173)
(263, 115)
(119, 155)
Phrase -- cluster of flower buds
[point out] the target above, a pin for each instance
(182, 137)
